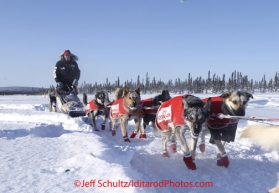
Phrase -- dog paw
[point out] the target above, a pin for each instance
(219, 162)
(173, 148)
(126, 139)
(223, 161)
(166, 154)
(103, 126)
(113, 132)
(202, 147)
(189, 161)
(133, 134)
(142, 136)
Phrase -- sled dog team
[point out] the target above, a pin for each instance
(173, 116)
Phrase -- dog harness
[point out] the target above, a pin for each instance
(213, 122)
(117, 109)
(147, 107)
(91, 106)
(170, 111)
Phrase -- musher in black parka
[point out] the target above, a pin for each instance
(66, 71)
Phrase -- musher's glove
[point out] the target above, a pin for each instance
(75, 82)
(60, 84)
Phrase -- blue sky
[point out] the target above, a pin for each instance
(126, 38)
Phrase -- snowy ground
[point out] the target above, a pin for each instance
(37, 148)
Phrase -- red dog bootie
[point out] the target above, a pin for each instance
(133, 134)
(190, 162)
(223, 160)
(103, 126)
(173, 147)
(142, 136)
(202, 147)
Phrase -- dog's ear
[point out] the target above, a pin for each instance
(207, 107)
(96, 95)
(184, 102)
(138, 90)
(226, 94)
(168, 95)
(249, 95)
(164, 93)
(126, 91)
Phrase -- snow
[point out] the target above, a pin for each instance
(37, 148)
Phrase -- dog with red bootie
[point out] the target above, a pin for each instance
(97, 107)
(125, 108)
(222, 130)
(174, 117)
(149, 108)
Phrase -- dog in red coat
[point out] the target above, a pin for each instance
(177, 115)
(223, 130)
(97, 107)
(149, 108)
(125, 108)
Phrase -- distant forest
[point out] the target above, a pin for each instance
(212, 84)
(29, 91)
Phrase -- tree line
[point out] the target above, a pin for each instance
(32, 91)
(211, 84)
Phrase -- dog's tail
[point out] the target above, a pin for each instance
(118, 93)
(267, 137)
(84, 100)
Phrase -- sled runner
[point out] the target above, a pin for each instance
(66, 102)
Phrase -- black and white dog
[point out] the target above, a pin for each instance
(97, 107)
(149, 108)
(175, 116)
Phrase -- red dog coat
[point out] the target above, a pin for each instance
(117, 109)
(213, 122)
(170, 111)
(148, 103)
(92, 106)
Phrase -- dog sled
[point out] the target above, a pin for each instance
(66, 102)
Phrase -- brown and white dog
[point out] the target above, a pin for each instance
(224, 130)
(125, 108)
(174, 117)
(97, 107)
(267, 137)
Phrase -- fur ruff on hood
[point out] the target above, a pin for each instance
(74, 57)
